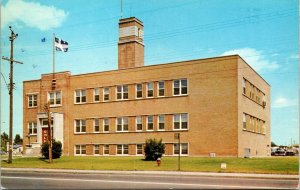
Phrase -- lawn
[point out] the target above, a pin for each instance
(273, 165)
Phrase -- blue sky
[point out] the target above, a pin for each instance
(263, 32)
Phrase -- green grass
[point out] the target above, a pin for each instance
(273, 165)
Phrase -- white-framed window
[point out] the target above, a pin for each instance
(244, 86)
(122, 92)
(80, 126)
(139, 149)
(96, 149)
(96, 94)
(122, 149)
(106, 149)
(161, 88)
(96, 125)
(149, 89)
(32, 128)
(180, 121)
(139, 91)
(122, 124)
(80, 149)
(244, 121)
(180, 87)
(139, 123)
(150, 126)
(106, 94)
(182, 148)
(32, 100)
(54, 98)
(80, 96)
(161, 122)
(105, 125)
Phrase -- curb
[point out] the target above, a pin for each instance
(208, 174)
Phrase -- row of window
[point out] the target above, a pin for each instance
(253, 124)
(180, 122)
(180, 87)
(123, 149)
(253, 92)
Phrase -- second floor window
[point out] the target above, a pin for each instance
(106, 94)
(122, 92)
(32, 128)
(161, 122)
(139, 91)
(139, 125)
(180, 121)
(80, 96)
(54, 98)
(150, 123)
(244, 86)
(96, 125)
(180, 87)
(96, 95)
(106, 125)
(80, 126)
(122, 124)
(32, 100)
(150, 89)
(161, 88)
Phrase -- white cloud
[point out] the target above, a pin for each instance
(254, 58)
(295, 56)
(32, 14)
(282, 102)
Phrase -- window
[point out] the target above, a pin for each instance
(150, 123)
(122, 124)
(54, 98)
(122, 149)
(180, 87)
(139, 91)
(106, 94)
(106, 149)
(180, 121)
(244, 86)
(80, 149)
(150, 89)
(96, 125)
(32, 100)
(80, 96)
(96, 95)
(161, 88)
(122, 92)
(139, 124)
(80, 126)
(182, 148)
(97, 149)
(106, 125)
(32, 128)
(161, 122)
(244, 121)
(139, 149)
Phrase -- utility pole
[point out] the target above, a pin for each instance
(12, 37)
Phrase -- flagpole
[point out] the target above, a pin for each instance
(53, 54)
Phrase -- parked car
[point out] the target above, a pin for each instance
(289, 153)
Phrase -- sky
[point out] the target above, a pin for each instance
(263, 32)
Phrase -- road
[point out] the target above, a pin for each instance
(37, 180)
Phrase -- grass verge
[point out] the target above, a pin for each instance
(273, 165)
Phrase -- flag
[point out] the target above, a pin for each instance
(61, 45)
(43, 39)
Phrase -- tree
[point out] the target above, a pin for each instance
(154, 149)
(18, 139)
(56, 149)
(4, 140)
(273, 144)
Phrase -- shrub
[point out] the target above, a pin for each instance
(56, 149)
(154, 149)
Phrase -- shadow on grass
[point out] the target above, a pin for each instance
(44, 159)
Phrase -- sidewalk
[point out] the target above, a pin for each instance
(210, 174)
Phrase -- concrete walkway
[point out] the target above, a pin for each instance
(210, 174)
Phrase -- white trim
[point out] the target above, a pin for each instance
(122, 149)
(28, 126)
(94, 122)
(180, 87)
(79, 150)
(106, 94)
(94, 149)
(104, 149)
(32, 95)
(122, 92)
(159, 88)
(152, 90)
(158, 122)
(80, 96)
(80, 120)
(136, 149)
(122, 124)
(94, 94)
(147, 122)
(136, 91)
(180, 149)
(48, 98)
(137, 123)
(180, 122)
(104, 125)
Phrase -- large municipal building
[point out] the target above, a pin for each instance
(220, 106)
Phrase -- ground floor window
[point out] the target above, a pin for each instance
(106, 149)
(182, 148)
(96, 149)
(122, 149)
(139, 149)
(80, 149)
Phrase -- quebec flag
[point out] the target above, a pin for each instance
(61, 45)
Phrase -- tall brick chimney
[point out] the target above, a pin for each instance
(130, 46)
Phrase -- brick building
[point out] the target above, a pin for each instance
(220, 106)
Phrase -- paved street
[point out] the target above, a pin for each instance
(71, 180)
